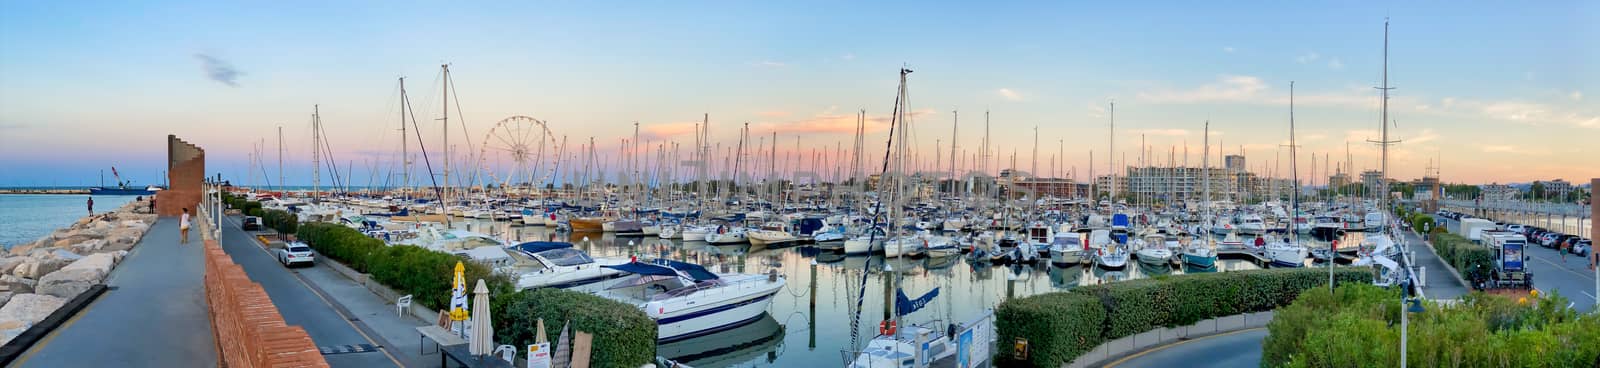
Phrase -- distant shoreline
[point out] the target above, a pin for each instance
(44, 190)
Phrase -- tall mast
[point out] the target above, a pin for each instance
(955, 121)
(316, 153)
(445, 195)
(280, 160)
(1206, 171)
(1111, 158)
(1384, 117)
(1294, 172)
(405, 157)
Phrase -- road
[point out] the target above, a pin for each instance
(154, 315)
(1226, 350)
(1569, 277)
(303, 305)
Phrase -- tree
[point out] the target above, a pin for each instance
(1537, 191)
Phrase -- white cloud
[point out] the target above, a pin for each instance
(1335, 64)
(1576, 96)
(1009, 94)
(848, 56)
(771, 64)
(1307, 58)
(1229, 88)
(1227, 49)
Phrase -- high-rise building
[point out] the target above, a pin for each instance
(1556, 189)
(1372, 180)
(1499, 192)
(1234, 163)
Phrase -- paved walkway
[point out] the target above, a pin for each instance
(302, 305)
(1234, 349)
(154, 315)
(1442, 284)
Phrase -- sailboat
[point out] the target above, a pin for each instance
(1203, 253)
(1288, 252)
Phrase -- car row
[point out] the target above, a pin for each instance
(1573, 244)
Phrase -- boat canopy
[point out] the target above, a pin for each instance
(644, 269)
(540, 246)
(696, 272)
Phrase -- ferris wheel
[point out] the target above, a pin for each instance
(524, 149)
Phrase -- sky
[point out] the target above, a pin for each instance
(1485, 92)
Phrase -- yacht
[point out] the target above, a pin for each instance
(724, 235)
(559, 265)
(1112, 257)
(1252, 224)
(697, 233)
(1068, 247)
(1199, 254)
(687, 301)
(1374, 221)
(910, 346)
(864, 244)
(774, 234)
(1153, 250)
(905, 245)
(939, 246)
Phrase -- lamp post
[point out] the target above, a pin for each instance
(1407, 306)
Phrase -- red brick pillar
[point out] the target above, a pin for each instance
(186, 169)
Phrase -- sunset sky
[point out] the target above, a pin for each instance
(1491, 92)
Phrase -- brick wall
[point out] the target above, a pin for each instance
(186, 168)
(249, 330)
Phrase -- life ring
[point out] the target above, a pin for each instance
(886, 328)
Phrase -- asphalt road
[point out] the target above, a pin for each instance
(1569, 277)
(154, 316)
(1227, 350)
(302, 305)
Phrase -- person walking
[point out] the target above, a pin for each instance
(91, 206)
(183, 226)
(152, 204)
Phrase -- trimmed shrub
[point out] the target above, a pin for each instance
(1058, 326)
(1463, 254)
(624, 336)
(424, 273)
(1061, 326)
(281, 221)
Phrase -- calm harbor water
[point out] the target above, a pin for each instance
(808, 323)
(27, 217)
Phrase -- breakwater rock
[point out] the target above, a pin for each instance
(37, 278)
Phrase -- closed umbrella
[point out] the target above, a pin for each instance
(482, 332)
(458, 297)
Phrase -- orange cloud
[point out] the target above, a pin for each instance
(828, 122)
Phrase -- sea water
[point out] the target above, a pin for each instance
(25, 218)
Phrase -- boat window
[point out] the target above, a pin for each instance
(566, 257)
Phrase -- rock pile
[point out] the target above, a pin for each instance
(39, 277)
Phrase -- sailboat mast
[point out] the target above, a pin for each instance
(316, 154)
(445, 194)
(405, 157)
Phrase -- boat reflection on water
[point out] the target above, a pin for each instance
(755, 342)
(1154, 270)
(1104, 276)
(1066, 278)
(1189, 268)
(941, 263)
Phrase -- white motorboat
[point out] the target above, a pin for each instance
(1112, 257)
(559, 265)
(940, 246)
(773, 234)
(866, 243)
(1252, 224)
(909, 346)
(1068, 247)
(1375, 221)
(687, 301)
(1199, 254)
(672, 231)
(909, 246)
(1154, 253)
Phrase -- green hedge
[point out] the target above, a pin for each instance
(281, 221)
(1462, 253)
(423, 273)
(624, 337)
(1358, 326)
(1061, 326)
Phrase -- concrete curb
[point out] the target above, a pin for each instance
(24, 341)
(1130, 345)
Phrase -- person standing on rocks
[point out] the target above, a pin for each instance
(91, 206)
(152, 204)
(183, 226)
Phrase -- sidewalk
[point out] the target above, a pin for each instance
(154, 315)
(379, 314)
(1441, 282)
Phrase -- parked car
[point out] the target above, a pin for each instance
(294, 253)
(250, 223)
(1516, 228)
(1581, 247)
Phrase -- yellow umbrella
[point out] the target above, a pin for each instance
(458, 295)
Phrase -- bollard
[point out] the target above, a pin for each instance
(1422, 276)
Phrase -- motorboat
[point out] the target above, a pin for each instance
(697, 233)
(1153, 250)
(907, 245)
(773, 234)
(559, 265)
(866, 243)
(1068, 247)
(1040, 235)
(1112, 257)
(939, 246)
(1374, 221)
(686, 300)
(1199, 254)
(909, 346)
(1252, 224)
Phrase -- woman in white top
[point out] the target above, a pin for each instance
(183, 226)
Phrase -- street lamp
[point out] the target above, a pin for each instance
(1408, 306)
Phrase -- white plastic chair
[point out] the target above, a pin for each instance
(507, 352)
(401, 304)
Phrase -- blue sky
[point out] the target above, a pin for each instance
(1500, 92)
